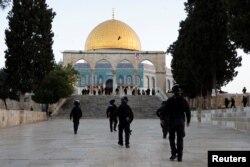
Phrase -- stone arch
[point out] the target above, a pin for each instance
(104, 60)
(81, 60)
(149, 61)
(125, 69)
(103, 70)
(147, 71)
(83, 69)
(157, 58)
(126, 60)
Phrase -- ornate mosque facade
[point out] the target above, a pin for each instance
(112, 58)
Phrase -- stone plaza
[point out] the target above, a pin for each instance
(52, 144)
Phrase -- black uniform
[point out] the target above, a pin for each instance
(163, 115)
(244, 101)
(226, 102)
(125, 115)
(232, 103)
(178, 109)
(111, 114)
(76, 113)
(244, 90)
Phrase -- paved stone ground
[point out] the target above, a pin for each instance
(53, 144)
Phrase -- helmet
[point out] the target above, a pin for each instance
(176, 88)
(112, 101)
(124, 99)
(77, 102)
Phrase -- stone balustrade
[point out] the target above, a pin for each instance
(238, 118)
(17, 117)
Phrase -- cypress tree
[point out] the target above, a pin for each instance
(239, 16)
(29, 55)
(203, 55)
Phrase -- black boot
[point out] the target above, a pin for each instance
(179, 159)
(173, 157)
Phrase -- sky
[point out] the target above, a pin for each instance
(156, 22)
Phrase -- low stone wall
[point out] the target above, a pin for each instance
(219, 101)
(15, 105)
(238, 118)
(17, 117)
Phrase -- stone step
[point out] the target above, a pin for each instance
(96, 106)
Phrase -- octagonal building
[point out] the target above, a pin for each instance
(112, 59)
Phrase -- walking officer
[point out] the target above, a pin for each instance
(111, 114)
(179, 112)
(125, 115)
(76, 114)
(163, 115)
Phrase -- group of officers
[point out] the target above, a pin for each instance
(173, 113)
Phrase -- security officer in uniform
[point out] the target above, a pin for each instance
(125, 115)
(163, 115)
(76, 114)
(111, 114)
(179, 112)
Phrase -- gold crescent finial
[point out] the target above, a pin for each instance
(113, 13)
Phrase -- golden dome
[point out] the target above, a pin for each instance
(113, 34)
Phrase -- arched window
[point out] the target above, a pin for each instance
(120, 80)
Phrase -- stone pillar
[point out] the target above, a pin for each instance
(160, 81)
(91, 81)
(114, 81)
(129, 90)
(136, 76)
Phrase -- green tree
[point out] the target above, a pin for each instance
(4, 3)
(203, 55)
(29, 55)
(59, 83)
(5, 91)
(239, 16)
(183, 75)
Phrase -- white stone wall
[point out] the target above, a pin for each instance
(237, 118)
(15, 105)
(10, 118)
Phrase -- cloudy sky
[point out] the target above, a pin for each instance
(156, 23)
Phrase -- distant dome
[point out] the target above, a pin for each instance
(113, 34)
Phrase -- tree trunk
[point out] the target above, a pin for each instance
(21, 101)
(5, 104)
(199, 105)
(214, 87)
(208, 99)
(199, 108)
